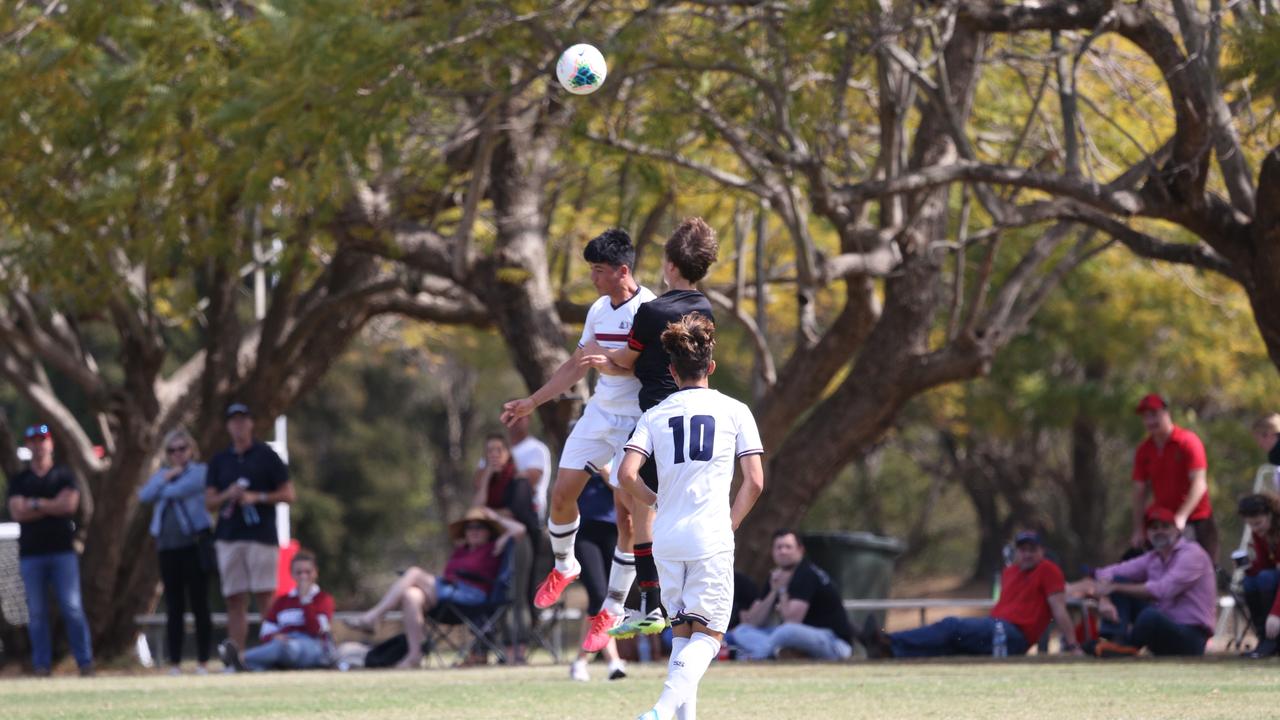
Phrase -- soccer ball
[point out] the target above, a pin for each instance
(581, 69)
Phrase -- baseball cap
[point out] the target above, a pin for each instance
(237, 408)
(1152, 401)
(1027, 536)
(34, 432)
(1161, 514)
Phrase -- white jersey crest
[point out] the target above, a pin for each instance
(696, 437)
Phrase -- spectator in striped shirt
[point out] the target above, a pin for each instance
(295, 632)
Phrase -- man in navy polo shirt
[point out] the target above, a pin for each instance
(43, 498)
(243, 485)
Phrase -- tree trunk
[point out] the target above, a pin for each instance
(514, 282)
(1264, 269)
(892, 363)
(1086, 489)
(115, 545)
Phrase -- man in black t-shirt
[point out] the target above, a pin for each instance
(243, 485)
(813, 620)
(689, 253)
(43, 498)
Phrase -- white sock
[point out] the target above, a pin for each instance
(686, 669)
(562, 537)
(677, 644)
(621, 575)
(687, 711)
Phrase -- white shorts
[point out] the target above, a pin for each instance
(700, 590)
(597, 439)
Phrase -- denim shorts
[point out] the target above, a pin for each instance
(460, 593)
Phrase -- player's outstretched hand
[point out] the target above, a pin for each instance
(598, 362)
(516, 409)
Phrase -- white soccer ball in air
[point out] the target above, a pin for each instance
(581, 69)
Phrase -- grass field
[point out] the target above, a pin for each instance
(1074, 690)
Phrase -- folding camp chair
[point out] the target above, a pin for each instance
(477, 624)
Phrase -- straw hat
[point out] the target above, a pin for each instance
(457, 528)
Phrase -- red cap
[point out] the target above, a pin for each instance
(1150, 402)
(1161, 514)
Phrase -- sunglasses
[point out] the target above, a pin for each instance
(37, 431)
(475, 526)
(177, 449)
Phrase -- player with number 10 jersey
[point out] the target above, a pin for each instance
(696, 437)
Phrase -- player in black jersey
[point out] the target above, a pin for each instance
(690, 252)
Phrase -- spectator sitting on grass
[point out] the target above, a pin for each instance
(814, 623)
(1162, 600)
(295, 630)
(1031, 592)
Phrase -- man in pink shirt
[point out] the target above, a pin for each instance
(1162, 600)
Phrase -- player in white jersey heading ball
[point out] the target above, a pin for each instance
(599, 434)
(695, 436)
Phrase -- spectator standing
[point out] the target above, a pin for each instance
(813, 620)
(1170, 467)
(1163, 600)
(178, 519)
(43, 498)
(1266, 432)
(1032, 592)
(243, 484)
(532, 458)
(296, 630)
(1261, 513)
(594, 546)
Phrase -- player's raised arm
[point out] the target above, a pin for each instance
(565, 377)
(752, 487)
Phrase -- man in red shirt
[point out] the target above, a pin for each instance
(1170, 466)
(295, 631)
(1031, 592)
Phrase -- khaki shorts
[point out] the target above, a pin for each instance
(247, 566)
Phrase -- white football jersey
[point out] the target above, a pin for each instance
(610, 327)
(696, 437)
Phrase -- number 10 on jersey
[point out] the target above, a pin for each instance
(702, 437)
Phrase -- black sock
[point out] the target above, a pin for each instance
(647, 576)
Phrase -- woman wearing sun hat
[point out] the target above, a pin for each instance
(479, 538)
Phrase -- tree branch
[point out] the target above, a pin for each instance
(768, 371)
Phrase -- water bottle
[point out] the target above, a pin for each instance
(248, 512)
(999, 642)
